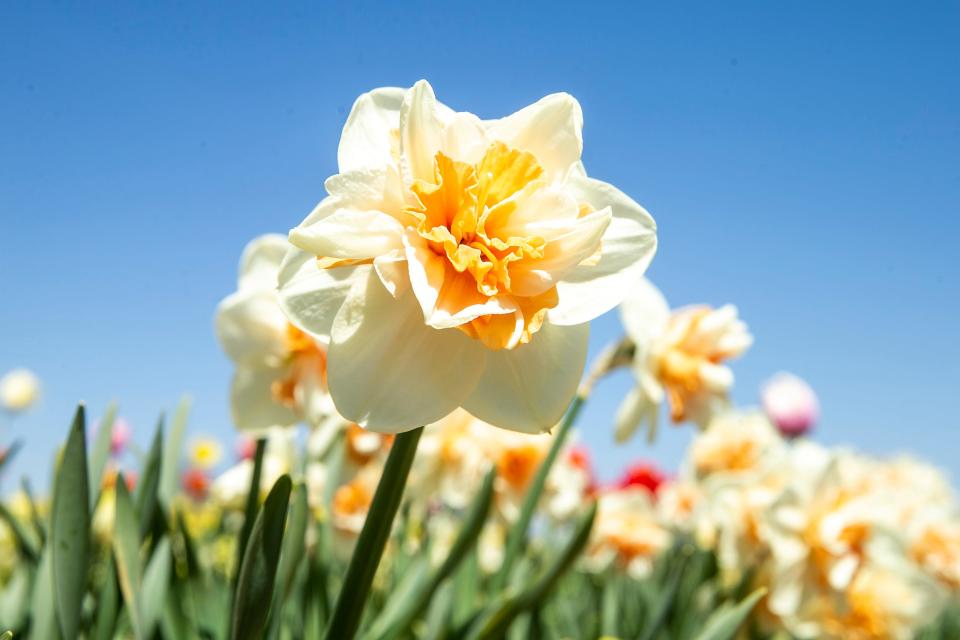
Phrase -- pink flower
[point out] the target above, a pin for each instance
(790, 404)
(120, 436)
(245, 448)
(196, 484)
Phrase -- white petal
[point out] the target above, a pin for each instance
(349, 234)
(390, 372)
(632, 413)
(550, 129)
(421, 132)
(261, 260)
(561, 255)
(629, 243)
(366, 139)
(253, 406)
(644, 313)
(379, 189)
(391, 268)
(465, 138)
(310, 296)
(251, 326)
(528, 388)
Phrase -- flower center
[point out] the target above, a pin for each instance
(467, 216)
(680, 366)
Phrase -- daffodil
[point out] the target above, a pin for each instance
(627, 533)
(19, 390)
(678, 357)
(457, 261)
(280, 371)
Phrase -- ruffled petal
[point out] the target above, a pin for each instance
(629, 244)
(388, 371)
(367, 138)
(528, 388)
(310, 296)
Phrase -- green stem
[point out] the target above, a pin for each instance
(348, 611)
(250, 514)
(517, 536)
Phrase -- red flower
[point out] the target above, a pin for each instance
(196, 484)
(642, 474)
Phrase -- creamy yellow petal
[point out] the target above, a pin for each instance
(310, 296)
(629, 244)
(350, 234)
(388, 371)
(250, 327)
(366, 139)
(529, 388)
(252, 402)
(421, 132)
(550, 129)
(644, 313)
(261, 260)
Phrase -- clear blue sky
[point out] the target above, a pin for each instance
(801, 159)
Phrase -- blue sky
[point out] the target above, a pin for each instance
(802, 160)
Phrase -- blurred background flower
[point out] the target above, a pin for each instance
(19, 390)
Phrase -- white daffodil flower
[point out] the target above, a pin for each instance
(679, 358)
(280, 376)
(19, 390)
(456, 262)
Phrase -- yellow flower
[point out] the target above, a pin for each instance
(679, 358)
(457, 261)
(280, 376)
(205, 453)
(19, 390)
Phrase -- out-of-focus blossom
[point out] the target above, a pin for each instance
(280, 376)
(19, 390)
(120, 436)
(642, 474)
(245, 448)
(790, 404)
(736, 443)
(456, 262)
(627, 533)
(679, 358)
(205, 453)
(196, 484)
(230, 488)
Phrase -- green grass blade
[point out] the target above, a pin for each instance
(70, 528)
(101, 452)
(352, 598)
(170, 467)
(126, 550)
(724, 623)
(259, 568)
(43, 615)
(397, 618)
(108, 605)
(145, 495)
(517, 536)
(156, 580)
(24, 542)
(290, 556)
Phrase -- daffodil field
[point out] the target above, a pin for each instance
(410, 365)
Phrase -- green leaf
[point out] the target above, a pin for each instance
(373, 537)
(156, 579)
(668, 594)
(7, 455)
(145, 495)
(43, 615)
(725, 622)
(250, 509)
(259, 568)
(70, 528)
(7, 635)
(291, 554)
(495, 622)
(401, 612)
(108, 604)
(25, 542)
(101, 453)
(517, 536)
(169, 476)
(126, 550)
